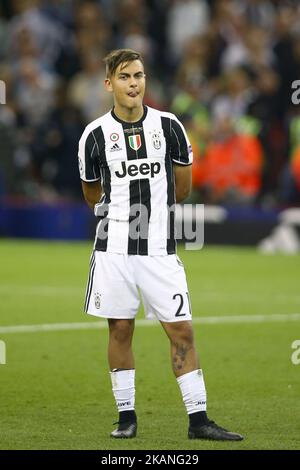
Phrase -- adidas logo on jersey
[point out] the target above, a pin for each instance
(115, 148)
(138, 170)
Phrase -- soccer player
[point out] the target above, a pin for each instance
(135, 163)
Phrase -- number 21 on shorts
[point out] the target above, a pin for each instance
(180, 299)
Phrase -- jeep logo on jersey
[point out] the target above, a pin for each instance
(135, 141)
(141, 169)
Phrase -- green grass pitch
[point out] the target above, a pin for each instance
(55, 386)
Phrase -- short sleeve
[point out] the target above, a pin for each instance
(181, 149)
(88, 157)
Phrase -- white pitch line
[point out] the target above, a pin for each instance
(290, 317)
(206, 295)
(41, 290)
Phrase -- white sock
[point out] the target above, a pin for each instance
(123, 388)
(193, 391)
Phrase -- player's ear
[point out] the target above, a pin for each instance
(108, 85)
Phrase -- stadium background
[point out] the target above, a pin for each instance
(226, 69)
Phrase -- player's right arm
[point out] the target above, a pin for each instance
(88, 158)
(92, 192)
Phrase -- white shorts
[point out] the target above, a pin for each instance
(116, 279)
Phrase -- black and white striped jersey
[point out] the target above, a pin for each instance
(134, 163)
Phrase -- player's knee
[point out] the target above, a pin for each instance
(182, 333)
(121, 330)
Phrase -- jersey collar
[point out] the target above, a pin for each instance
(130, 123)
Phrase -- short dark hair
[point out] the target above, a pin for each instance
(120, 56)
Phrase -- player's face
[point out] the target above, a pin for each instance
(128, 85)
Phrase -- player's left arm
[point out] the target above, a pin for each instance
(182, 157)
(183, 181)
(92, 192)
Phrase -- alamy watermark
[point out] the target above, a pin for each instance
(177, 222)
(189, 225)
(2, 353)
(2, 92)
(296, 94)
(295, 357)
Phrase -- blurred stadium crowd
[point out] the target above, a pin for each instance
(224, 67)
